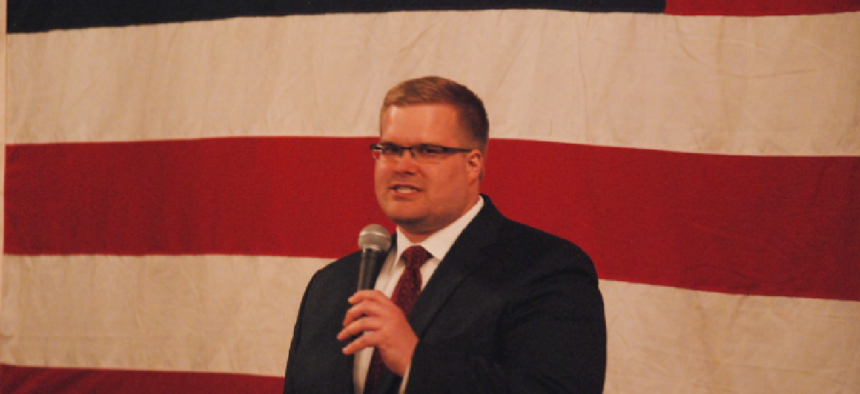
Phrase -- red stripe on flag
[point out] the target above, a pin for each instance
(745, 225)
(21, 380)
(759, 7)
(785, 226)
(251, 196)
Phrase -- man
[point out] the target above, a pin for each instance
(502, 307)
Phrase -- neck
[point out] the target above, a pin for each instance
(413, 237)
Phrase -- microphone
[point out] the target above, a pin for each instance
(374, 242)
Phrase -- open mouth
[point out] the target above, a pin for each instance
(405, 189)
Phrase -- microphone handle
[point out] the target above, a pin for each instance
(369, 259)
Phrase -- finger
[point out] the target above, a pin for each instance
(372, 305)
(359, 343)
(363, 309)
(352, 315)
(360, 296)
(365, 295)
(358, 327)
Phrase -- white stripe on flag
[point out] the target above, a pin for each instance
(669, 340)
(236, 314)
(195, 313)
(737, 85)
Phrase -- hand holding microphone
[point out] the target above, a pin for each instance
(374, 320)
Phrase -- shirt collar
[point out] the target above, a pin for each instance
(441, 241)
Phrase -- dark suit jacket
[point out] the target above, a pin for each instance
(509, 309)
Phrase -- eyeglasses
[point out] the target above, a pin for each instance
(424, 153)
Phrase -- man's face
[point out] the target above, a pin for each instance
(423, 198)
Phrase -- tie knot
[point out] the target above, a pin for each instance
(415, 257)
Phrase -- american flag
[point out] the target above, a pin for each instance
(176, 171)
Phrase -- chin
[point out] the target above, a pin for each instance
(402, 210)
(403, 220)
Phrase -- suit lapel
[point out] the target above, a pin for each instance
(466, 254)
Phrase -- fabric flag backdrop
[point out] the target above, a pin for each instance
(175, 173)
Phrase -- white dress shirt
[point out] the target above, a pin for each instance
(438, 245)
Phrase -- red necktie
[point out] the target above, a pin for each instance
(405, 294)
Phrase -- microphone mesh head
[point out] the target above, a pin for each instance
(374, 237)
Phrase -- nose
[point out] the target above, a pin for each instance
(405, 162)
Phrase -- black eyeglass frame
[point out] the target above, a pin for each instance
(418, 152)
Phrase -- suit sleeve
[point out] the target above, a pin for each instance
(550, 337)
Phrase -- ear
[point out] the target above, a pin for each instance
(475, 165)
